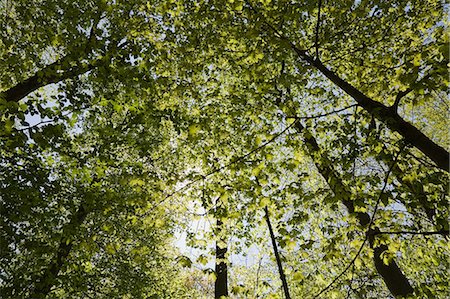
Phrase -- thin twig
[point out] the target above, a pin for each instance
(37, 124)
(45, 121)
(351, 282)
(322, 115)
(440, 232)
(316, 43)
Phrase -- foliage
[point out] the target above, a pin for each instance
(123, 123)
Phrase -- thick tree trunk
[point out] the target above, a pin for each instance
(391, 274)
(387, 115)
(221, 283)
(277, 255)
(395, 280)
(47, 280)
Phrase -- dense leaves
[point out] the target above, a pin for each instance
(137, 137)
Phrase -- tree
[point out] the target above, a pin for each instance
(86, 214)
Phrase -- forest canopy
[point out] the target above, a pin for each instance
(224, 149)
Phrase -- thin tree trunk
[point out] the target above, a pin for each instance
(255, 292)
(387, 115)
(395, 280)
(48, 278)
(277, 256)
(221, 283)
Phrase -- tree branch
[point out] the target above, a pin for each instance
(255, 292)
(385, 114)
(419, 194)
(405, 92)
(392, 275)
(440, 232)
(343, 271)
(48, 278)
(52, 73)
(322, 115)
(67, 67)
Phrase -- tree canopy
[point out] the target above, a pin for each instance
(147, 147)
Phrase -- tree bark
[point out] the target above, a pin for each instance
(221, 283)
(390, 272)
(47, 280)
(277, 255)
(395, 280)
(387, 115)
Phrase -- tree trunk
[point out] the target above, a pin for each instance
(48, 278)
(395, 280)
(277, 256)
(391, 273)
(386, 115)
(221, 283)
